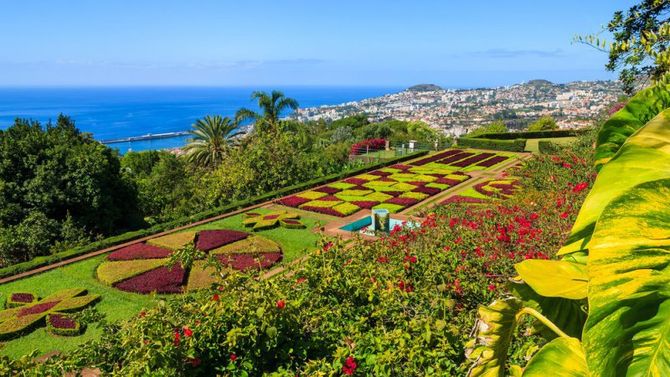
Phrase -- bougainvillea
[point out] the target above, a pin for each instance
(368, 145)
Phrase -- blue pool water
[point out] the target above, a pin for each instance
(367, 221)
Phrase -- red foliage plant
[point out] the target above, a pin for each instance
(492, 161)
(139, 251)
(39, 308)
(327, 190)
(212, 239)
(427, 190)
(355, 181)
(405, 202)
(160, 280)
(325, 211)
(435, 157)
(248, 261)
(295, 201)
(62, 322)
(366, 204)
(23, 297)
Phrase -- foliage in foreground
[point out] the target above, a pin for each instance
(397, 306)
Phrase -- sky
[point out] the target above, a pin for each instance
(291, 42)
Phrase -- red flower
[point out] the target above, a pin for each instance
(580, 187)
(281, 304)
(401, 285)
(187, 332)
(534, 216)
(564, 215)
(383, 259)
(567, 165)
(327, 246)
(457, 287)
(410, 258)
(215, 297)
(233, 357)
(300, 280)
(142, 314)
(349, 366)
(194, 362)
(177, 338)
(492, 287)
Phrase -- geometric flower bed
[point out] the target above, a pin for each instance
(19, 299)
(456, 158)
(143, 268)
(486, 191)
(21, 319)
(258, 221)
(394, 188)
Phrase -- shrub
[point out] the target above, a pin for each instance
(366, 145)
(319, 204)
(414, 195)
(462, 199)
(377, 197)
(249, 261)
(472, 160)
(294, 201)
(428, 190)
(174, 241)
(311, 195)
(405, 202)
(492, 161)
(355, 181)
(392, 208)
(63, 325)
(403, 187)
(255, 244)
(271, 220)
(292, 224)
(346, 208)
(323, 210)
(435, 157)
(160, 280)
(341, 185)
(366, 177)
(367, 204)
(212, 239)
(139, 251)
(354, 193)
(116, 271)
(439, 186)
(517, 145)
(327, 190)
(15, 300)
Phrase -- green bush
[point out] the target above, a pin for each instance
(516, 145)
(548, 147)
(130, 236)
(532, 134)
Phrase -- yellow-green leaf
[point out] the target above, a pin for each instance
(554, 278)
(562, 357)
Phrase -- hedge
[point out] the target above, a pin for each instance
(530, 134)
(516, 145)
(548, 147)
(158, 228)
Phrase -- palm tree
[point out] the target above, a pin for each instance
(212, 136)
(271, 105)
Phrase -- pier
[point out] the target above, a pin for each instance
(163, 135)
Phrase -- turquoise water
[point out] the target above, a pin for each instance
(112, 113)
(359, 224)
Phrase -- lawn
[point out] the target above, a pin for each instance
(532, 144)
(118, 305)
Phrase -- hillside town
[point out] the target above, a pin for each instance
(573, 105)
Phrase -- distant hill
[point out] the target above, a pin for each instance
(424, 88)
(539, 83)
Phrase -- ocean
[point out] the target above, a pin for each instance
(114, 113)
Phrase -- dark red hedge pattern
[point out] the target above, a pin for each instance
(380, 173)
(23, 297)
(327, 190)
(139, 251)
(405, 202)
(472, 160)
(293, 201)
(427, 190)
(59, 321)
(330, 198)
(368, 204)
(291, 221)
(39, 308)
(492, 161)
(455, 157)
(248, 261)
(212, 239)
(447, 181)
(355, 181)
(400, 166)
(325, 211)
(160, 280)
(435, 157)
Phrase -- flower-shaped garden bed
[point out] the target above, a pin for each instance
(144, 268)
(21, 319)
(257, 221)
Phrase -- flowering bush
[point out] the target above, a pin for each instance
(366, 145)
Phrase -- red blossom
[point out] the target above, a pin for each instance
(492, 287)
(216, 297)
(177, 337)
(281, 304)
(580, 187)
(564, 215)
(349, 366)
(233, 357)
(187, 332)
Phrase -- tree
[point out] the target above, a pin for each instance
(272, 105)
(545, 123)
(212, 137)
(492, 128)
(56, 184)
(641, 40)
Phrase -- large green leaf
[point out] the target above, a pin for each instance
(562, 357)
(495, 328)
(644, 157)
(628, 328)
(644, 106)
(567, 315)
(554, 278)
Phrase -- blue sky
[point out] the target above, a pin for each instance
(274, 42)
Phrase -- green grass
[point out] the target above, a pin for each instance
(119, 305)
(115, 304)
(532, 144)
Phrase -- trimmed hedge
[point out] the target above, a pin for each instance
(516, 145)
(133, 235)
(548, 147)
(63, 325)
(530, 134)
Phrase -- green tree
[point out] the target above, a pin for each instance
(640, 46)
(271, 105)
(53, 177)
(492, 128)
(211, 138)
(545, 123)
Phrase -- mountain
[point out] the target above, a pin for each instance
(424, 88)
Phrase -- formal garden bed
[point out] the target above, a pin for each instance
(486, 191)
